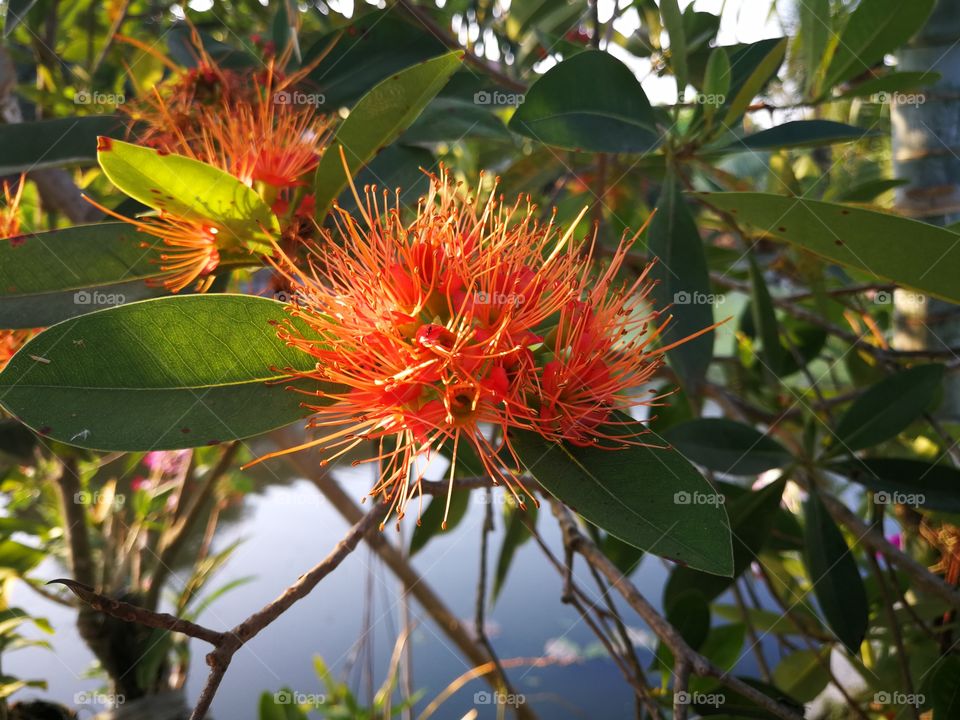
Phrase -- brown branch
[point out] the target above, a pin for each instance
(697, 663)
(133, 613)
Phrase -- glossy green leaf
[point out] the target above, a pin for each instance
(913, 482)
(803, 674)
(50, 276)
(874, 28)
(569, 108)
(716, 80)
(377, 120)
(683, 281)
(888, 407)
(727, 446)
(763, 59)
(53, 143)
(885, 246)
(800, 133)
(689, 613)
(454, 120)
(400, 167)
(651, 498)
(189, 189)
(751, 520)
(430, 523)
(834, 576)
(159, 374)
(516, 534)
(673, 22)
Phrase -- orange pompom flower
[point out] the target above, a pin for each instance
(469, 321)
(10, 212)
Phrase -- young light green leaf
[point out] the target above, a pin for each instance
(772, 351)
(816, 28)
(189, 189)
(377, 120)
(869, 241)
(649, 497)
(167, 373)
(716, 81)
(834, 576)
(610, 116)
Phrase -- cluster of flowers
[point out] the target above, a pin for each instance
(241, 122)
(462, 325)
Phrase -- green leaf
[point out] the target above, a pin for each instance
(765, 321)
(638, 495)
(159, 374)
(53, 143)
(716, 80)
(815, 31)
(727, 446)
(888, 407)
(942, 688)
(365, 52)
(802, 674)
(800, 133)
(16, 440)
(884, 246)
(892, 82)
(16, 13)
(682, 281)
(689, 613)
(870, 190)
(928, 485)
(454, 120)
(189, 189)
(673, 22)
(516, 535)
(50, 276)
(874, 28)
(430, 523)
(834, 576)
(17, 558)
(377, 120)
(569, 108)
(762, 60)
(751, 520)
(397, 167)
